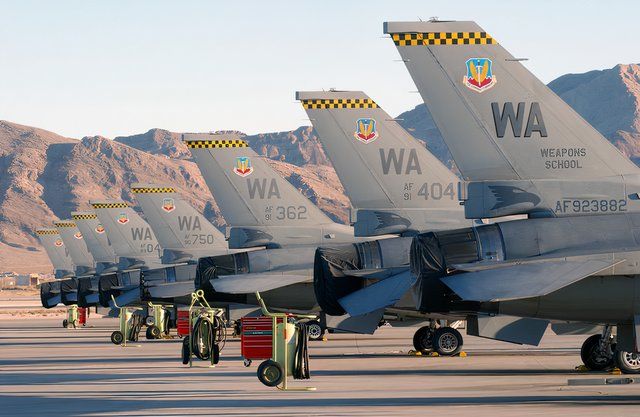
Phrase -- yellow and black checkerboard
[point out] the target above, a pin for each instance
(152, 190)
(42, 232)
(230, 143)
(442, 38)
(109, 205)
(339, 103)
(64, 224)
(87, 216)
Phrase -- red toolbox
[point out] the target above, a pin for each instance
(182, 323)
(255, 339)
(83, 313)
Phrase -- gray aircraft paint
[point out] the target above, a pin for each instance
(390, 174)
(259, 206)
(95, 236)
(183, 233)
(74, 241)
(513, 132)
(57, 252)
(131, 236)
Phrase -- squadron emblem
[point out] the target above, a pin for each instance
(366, 130)
(78, 235)
(123, 219)
(58, 243)
(243, 166)
(168, 205)
(100, 229)
(479, 75)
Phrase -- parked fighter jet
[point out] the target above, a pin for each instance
(50, 292)
(264, 211)
(395, 185)
(522, 150)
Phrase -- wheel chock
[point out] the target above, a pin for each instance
(324, 338)
(581, 368)
(462, 354)
(414, 353)
(615, 371)
(433, 354)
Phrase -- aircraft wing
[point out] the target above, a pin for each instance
(260, 281)
(381, 273)
(524, 280)
(382, 294)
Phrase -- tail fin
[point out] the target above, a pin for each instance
(131, 237)
(57, 252)
(254, 199)
(74, 240)
(521, 147)
(96, 239)
(182, 231)
(395, 184)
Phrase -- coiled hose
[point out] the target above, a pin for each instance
(135, 324)
(208, 337)
(301, 356)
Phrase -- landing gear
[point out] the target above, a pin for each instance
(447, 341)
(423, 339)
(628, 362)
(597, 351)
(315, 330)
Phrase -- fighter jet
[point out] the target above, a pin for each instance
(50, 292)
(395, 186)
(85, 278)
(264, 211)
(522, 150)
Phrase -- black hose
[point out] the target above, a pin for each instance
(166, 317)
(135, 324)
(301, 356)
(207, 336)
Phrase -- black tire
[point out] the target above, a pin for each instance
(447, 341)
(628, 362)
(590, 356)
(65, 323)
(270, 373)
(185, 350)
(75, 324)
(153, 332)
(423, 339)
(315, 330)
(117, 337)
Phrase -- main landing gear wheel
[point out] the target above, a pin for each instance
(628, 362)
(315, 330)
(65, 323)
(270, 373)
(447, 341)
(423, 339)
(117, 337)
(595, 356)
(153, 332)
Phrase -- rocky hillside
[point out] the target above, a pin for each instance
(44, 176)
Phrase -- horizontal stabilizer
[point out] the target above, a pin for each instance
(53, 301)
(525, 280)
(250, 283)
(127, 298)
(382, 294)
(381, 273)
(171, 289)
(511, 329)
(364, 324)
(564, 329)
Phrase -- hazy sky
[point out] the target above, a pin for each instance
(122, 67)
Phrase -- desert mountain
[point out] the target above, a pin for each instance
(44, 176)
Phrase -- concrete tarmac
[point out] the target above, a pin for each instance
(50, 371)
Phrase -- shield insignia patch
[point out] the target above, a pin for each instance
(58, 243)
(78, 235)
(100, 229)
(168, 205)
(243, 166)
(123, 219)
(479, 75)
(366, 131)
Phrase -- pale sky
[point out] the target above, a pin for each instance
(114, 67)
